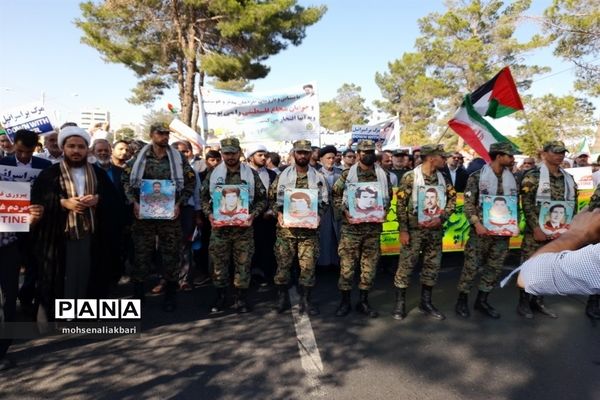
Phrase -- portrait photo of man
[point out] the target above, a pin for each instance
(556, 220)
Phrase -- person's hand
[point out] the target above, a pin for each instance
(539, 235)
(586, 226)
(280, 218)
(89, 200)
(73, 204)
(36, 212)
(176, 211)
(404, 238)
(480, 229)
(249, 221)
(136, 209)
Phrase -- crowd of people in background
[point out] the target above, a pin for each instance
(87, 235)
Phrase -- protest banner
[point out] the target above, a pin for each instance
(283, 115)
(18, 174)
(31, 116)
(183, 132)
(385, 132)
(583, 177)
(14, 206)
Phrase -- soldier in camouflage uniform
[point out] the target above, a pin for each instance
(592, 309)
(300, 242)
(157, 166)
(425, 238)
(359, 242)
(236, 242)
(534, 238)
(485, 250)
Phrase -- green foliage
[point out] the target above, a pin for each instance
(153, 117)
(126, 133)
(575, 27)
(550, 117)
(236, 85)
(347, 108)
(168, 42)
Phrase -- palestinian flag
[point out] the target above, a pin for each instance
(497, 97)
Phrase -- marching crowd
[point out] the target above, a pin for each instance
(87, 232)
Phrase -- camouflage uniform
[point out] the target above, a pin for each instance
(594, 200)
(290, 242)
(592, 308)
(358, 242)
(231, 241)
(145, 231)
(489, 252)
(426, 241)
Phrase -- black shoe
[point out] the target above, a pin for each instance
(7, 363)
(462, 305)
(592, 309)
(170, 299)
(306, 304)
(426, 307)
(481, 304)
(139, 292)
(241, 303)
(344, 307)
(523, 308)
(219, 303)
(399, 312)
(363, 306)
(283, 300)
(537, 304)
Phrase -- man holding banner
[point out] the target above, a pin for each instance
(548, 182)
(483, 249)
(422, 234)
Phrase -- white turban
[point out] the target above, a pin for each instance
(72, 131)
(255, 148)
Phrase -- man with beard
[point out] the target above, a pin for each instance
(6, 146)
(158, 161)
(52, 151)
(387, 164)
(73, 239)
(300, 242)
(235, 242)
(455, 172)
(329, 228)
(263, 261)
(120, 153)
(423, 237)
(359, 243)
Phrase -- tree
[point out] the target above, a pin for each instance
(549, 117)
(171, 42)
(153, 117)
(125, 133)
(456, 52)
(347, 108)
(236, 85)
(574, 25)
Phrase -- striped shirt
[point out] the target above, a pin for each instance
(567, 272)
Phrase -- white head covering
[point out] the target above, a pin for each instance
(255, 148)
(72, 131)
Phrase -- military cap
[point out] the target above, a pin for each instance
(230, 145)
(365, 145)
(505, 147)
(159, 127)
(434, 150)
(399, 152)
(555, 146)
(302, 145)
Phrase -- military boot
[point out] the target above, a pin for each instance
(481, 304)
(170, 299)
(524, 309)
(219, 303)
(139, 292)
(592, 308)
(344, 307)
(426, 306)
(462, 305)
(241, 303)
(283, 300)
(399, 312)
(306, 304)
(363, 306)
(537, 304)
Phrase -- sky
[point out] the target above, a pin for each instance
(43, 56)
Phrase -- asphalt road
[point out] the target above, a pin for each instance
(191, 354)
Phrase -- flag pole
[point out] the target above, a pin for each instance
(538, 145)
(443, 134)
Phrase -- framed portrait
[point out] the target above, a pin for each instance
(501, 215)
(555, 217)
(157, 199)
(230, 205)
(365, 203)
(301, 208)
(431, 201)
